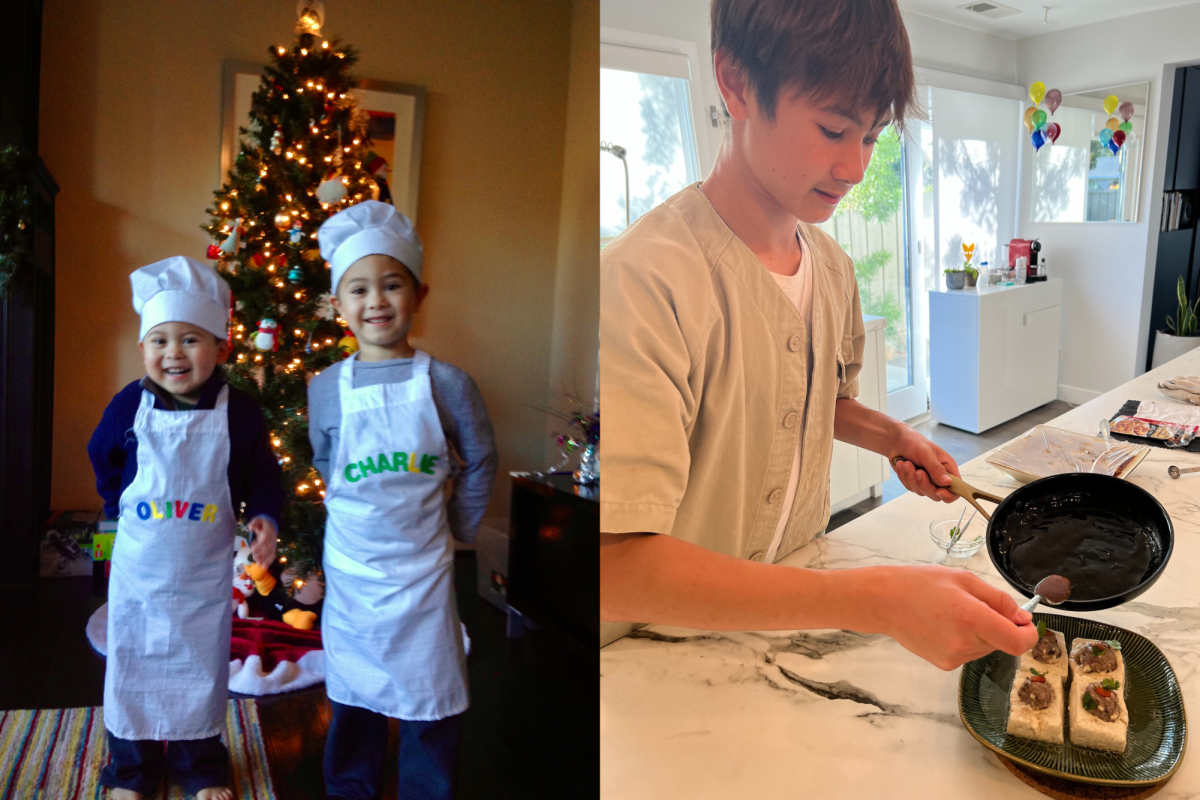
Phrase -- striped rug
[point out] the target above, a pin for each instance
(58, 753)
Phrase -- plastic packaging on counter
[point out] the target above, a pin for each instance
(1046, 451)
(1172, 424)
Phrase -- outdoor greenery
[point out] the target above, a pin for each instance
(878, 199)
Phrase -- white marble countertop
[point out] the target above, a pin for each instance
(698, 714)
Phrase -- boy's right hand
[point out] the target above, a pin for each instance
(948, 616)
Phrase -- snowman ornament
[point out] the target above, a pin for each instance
(297, 232)
(266, 338)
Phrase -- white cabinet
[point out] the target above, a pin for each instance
(993, 352)
(856, 474)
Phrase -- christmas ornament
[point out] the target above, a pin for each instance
(311, 255)
(213, 252)
(283, 220)
(295, 275)
(348, 343)
(233, 241)
(258, 259)
(277, 142)
(331, 190)
(297, 232)
(266, 339)
(374, 164)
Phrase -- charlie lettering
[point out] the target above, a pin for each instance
(398, 462)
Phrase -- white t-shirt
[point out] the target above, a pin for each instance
(799, 289)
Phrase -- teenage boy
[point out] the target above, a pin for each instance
(732, 337)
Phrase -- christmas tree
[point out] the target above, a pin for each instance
(302, 159)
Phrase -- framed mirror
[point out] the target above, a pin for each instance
(1078, 178)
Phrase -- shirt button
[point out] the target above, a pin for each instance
(790, 420)
(775, 496)
(757, 556)
(794, 343)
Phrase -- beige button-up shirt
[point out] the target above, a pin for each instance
(703, 381)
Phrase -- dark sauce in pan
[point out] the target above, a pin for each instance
(1101, 553)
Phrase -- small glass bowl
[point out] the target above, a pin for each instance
(969, 543)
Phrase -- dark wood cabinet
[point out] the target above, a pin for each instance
(554, 556)
(26, 317)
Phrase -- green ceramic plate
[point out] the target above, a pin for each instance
(1157, 720)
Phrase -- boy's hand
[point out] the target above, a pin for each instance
(926, 467)
(948, 616)
(265, 536)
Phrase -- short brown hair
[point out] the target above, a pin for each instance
(819, 48)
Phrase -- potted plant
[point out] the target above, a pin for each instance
(955, 278)
(972, 273)
(1180, 335)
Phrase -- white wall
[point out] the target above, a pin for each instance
(1109, 267)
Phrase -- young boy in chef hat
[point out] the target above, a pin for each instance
(175, 455)
(389, 427)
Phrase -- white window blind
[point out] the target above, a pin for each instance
(638, 59)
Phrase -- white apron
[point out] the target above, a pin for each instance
(390, 628)
(169, 621)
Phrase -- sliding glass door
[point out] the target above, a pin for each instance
(873, 224)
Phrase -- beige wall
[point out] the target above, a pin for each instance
(130, 128)
(576, 341)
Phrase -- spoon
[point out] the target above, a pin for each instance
(1175, 472)
(1053, 590)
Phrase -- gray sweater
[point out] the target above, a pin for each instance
(463, 416)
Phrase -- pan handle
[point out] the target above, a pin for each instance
(961, 488)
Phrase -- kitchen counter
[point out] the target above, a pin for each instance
(698, 714)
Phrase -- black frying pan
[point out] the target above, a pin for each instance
(1112, 539)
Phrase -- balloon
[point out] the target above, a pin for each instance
(1112, 123)
(1113, 146)
(1052, 132)
(1037, 90)
(1110, 104)
(1105, 136)
(1125, 110)
(1039, 119)
(1029, 118)
(1119, 138)
(1038, 140)
(1126, 126)
(1053, 99)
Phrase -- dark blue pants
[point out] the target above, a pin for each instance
(356, 749)
(139, 765)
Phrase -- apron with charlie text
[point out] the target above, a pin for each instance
(390, 626)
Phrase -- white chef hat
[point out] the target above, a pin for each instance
(369, 228)
(180, 289)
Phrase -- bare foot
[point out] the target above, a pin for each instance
(215, 793)
(125, 794)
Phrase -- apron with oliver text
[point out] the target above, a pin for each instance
(167, 676)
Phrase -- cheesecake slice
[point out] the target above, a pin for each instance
(1049, 655)
(1035, 707)
(1096, 659)
(1098, 715)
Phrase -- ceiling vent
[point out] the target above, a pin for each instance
(986, 8)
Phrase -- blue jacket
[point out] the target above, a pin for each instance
(255, 477)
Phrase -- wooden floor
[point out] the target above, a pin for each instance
(961, 445)
(531, 731)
